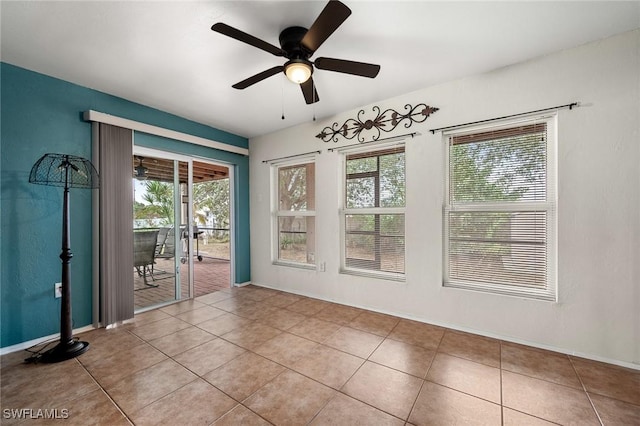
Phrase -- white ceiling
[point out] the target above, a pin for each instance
(164, 54)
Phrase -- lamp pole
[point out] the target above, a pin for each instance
(66, 333)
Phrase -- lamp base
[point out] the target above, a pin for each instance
(64, 351)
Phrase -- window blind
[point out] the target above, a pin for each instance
(497, 217)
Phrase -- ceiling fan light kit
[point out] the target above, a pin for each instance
(298, 70)
(298, 44)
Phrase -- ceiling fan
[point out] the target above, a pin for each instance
(140, 170)
(298, 44)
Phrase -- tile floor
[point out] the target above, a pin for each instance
(255, 356)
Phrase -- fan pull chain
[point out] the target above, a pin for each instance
(313, 87)
(282, 92)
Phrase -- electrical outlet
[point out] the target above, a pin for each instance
(57, 290)
(323, 266)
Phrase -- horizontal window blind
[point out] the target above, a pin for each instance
(498, 210)
(374, 227)
(507, 248)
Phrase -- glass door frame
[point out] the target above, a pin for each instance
(232, 222)
(177, 199)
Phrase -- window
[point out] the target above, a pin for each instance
(500, 209)
(373, 213)
(295, 214)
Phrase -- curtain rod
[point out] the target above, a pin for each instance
(570, 106)
(292, 156)
(377, 140)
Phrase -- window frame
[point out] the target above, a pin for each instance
(549, 206)
(276, 213)
(345, 211)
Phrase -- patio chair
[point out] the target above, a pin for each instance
(144, 250)
(162, 240)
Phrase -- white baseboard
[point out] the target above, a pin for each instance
(30, 343)
(242, 284)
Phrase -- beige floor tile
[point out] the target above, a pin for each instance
(211, 298)
(232, 303)
(466, 376)
(282, 319)
(159, 328)
(373, 322)
(515, 418)
(103, 343)
(252, 335)
(388, 390)
(407, 358)
(355, 342)
(181, 307)
(343, 410)
(209, 356)
(94, 405)
(244, 375)
(308, 306)
(329, 366)
(199, 315)
(44, 385)
(256, 372)
(437, 405)
(546, 400)
(110, 370)
(181, 340)
(275, 401)
(472, 347)
(146, 386)
(282, 300)
(609, 380)
(315, 329)
(538, 363)
(241, 415)
(224, 324)
(614, 412)
(146, 318)
(196, 403)
(417, 333)
(255, 310)
(340, 314)
(286, 348)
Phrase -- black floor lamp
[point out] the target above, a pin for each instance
(67, 171)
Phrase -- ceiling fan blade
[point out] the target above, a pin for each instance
(309, 91)
(246, 38)
(348, 67)
(331, 17)
(258, 77)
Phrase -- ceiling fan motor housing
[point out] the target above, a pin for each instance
(290, 42)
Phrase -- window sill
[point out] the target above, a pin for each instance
(311, 267)
(521, 293)
(389, 276)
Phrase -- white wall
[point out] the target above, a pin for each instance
(598, 312)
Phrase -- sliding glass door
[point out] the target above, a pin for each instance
(161, 223)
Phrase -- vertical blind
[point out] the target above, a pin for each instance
(374, 229)
(497, 214)
(116, 226)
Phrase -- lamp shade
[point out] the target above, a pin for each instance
(64, 170)
(298, 71)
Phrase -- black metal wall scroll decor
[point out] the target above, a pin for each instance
(384, 121)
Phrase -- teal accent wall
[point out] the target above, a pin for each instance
(41, 114)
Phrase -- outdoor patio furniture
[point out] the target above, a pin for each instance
(144, 250)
